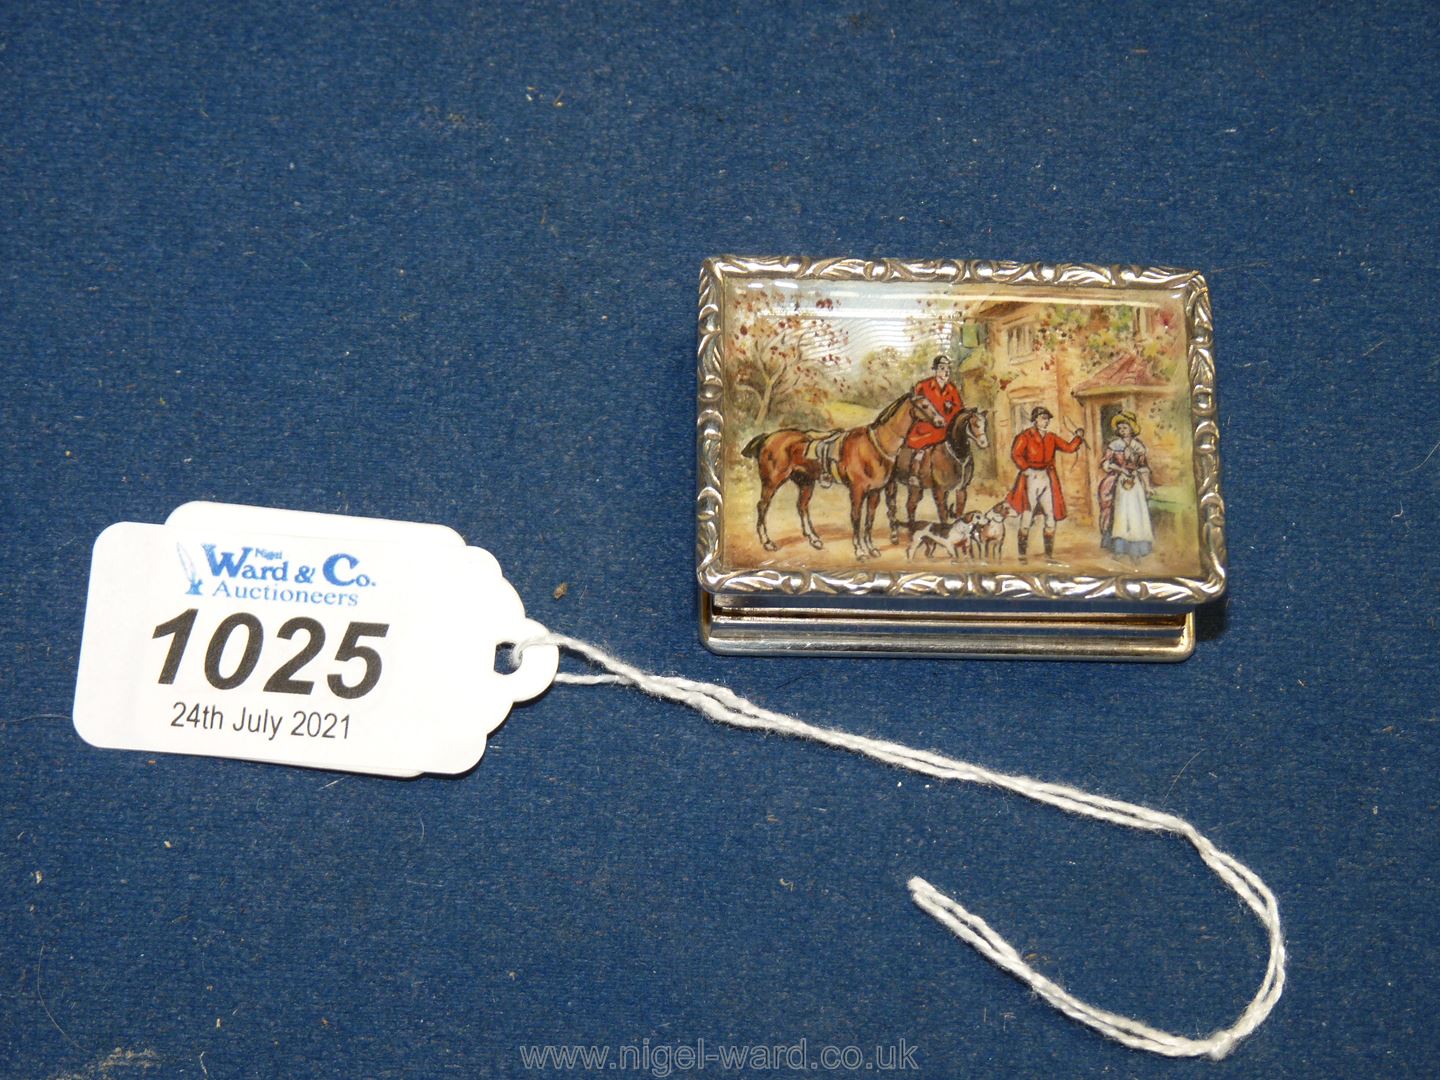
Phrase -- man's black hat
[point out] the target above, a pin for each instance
(1039, 411)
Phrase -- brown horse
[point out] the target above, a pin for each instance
(949, 466)
(863, 458)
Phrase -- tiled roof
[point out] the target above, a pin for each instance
(1129, 370)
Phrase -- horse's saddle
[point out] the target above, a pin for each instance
(823, 448)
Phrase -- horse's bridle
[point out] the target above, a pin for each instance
(963, 417)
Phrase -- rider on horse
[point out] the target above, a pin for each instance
(943, 397)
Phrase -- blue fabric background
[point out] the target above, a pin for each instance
(437, 261)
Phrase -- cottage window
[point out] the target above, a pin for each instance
(1020, 340)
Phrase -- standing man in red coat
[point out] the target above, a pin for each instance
(1037, 485)
(944, 398)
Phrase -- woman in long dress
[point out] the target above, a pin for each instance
(1125, 492)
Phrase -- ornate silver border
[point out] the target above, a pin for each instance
(1048, 276)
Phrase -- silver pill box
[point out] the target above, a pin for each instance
(956, 458)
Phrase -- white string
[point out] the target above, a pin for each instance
(726, 707)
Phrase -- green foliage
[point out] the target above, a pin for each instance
(1103, 343)
(883, 375)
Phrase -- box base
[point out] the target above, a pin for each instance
(745, 630)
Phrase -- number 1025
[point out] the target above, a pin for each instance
(285, 679)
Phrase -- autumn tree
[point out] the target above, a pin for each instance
(781, 346)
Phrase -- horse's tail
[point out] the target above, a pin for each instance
(752, 448)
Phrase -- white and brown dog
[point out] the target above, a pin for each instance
(957, 537)
(990, 530)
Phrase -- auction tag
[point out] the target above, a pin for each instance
(369, 653)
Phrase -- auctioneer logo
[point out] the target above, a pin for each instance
(256, 573)
(189, 566)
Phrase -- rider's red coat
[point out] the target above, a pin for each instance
(947, 403)
(1031, 450)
